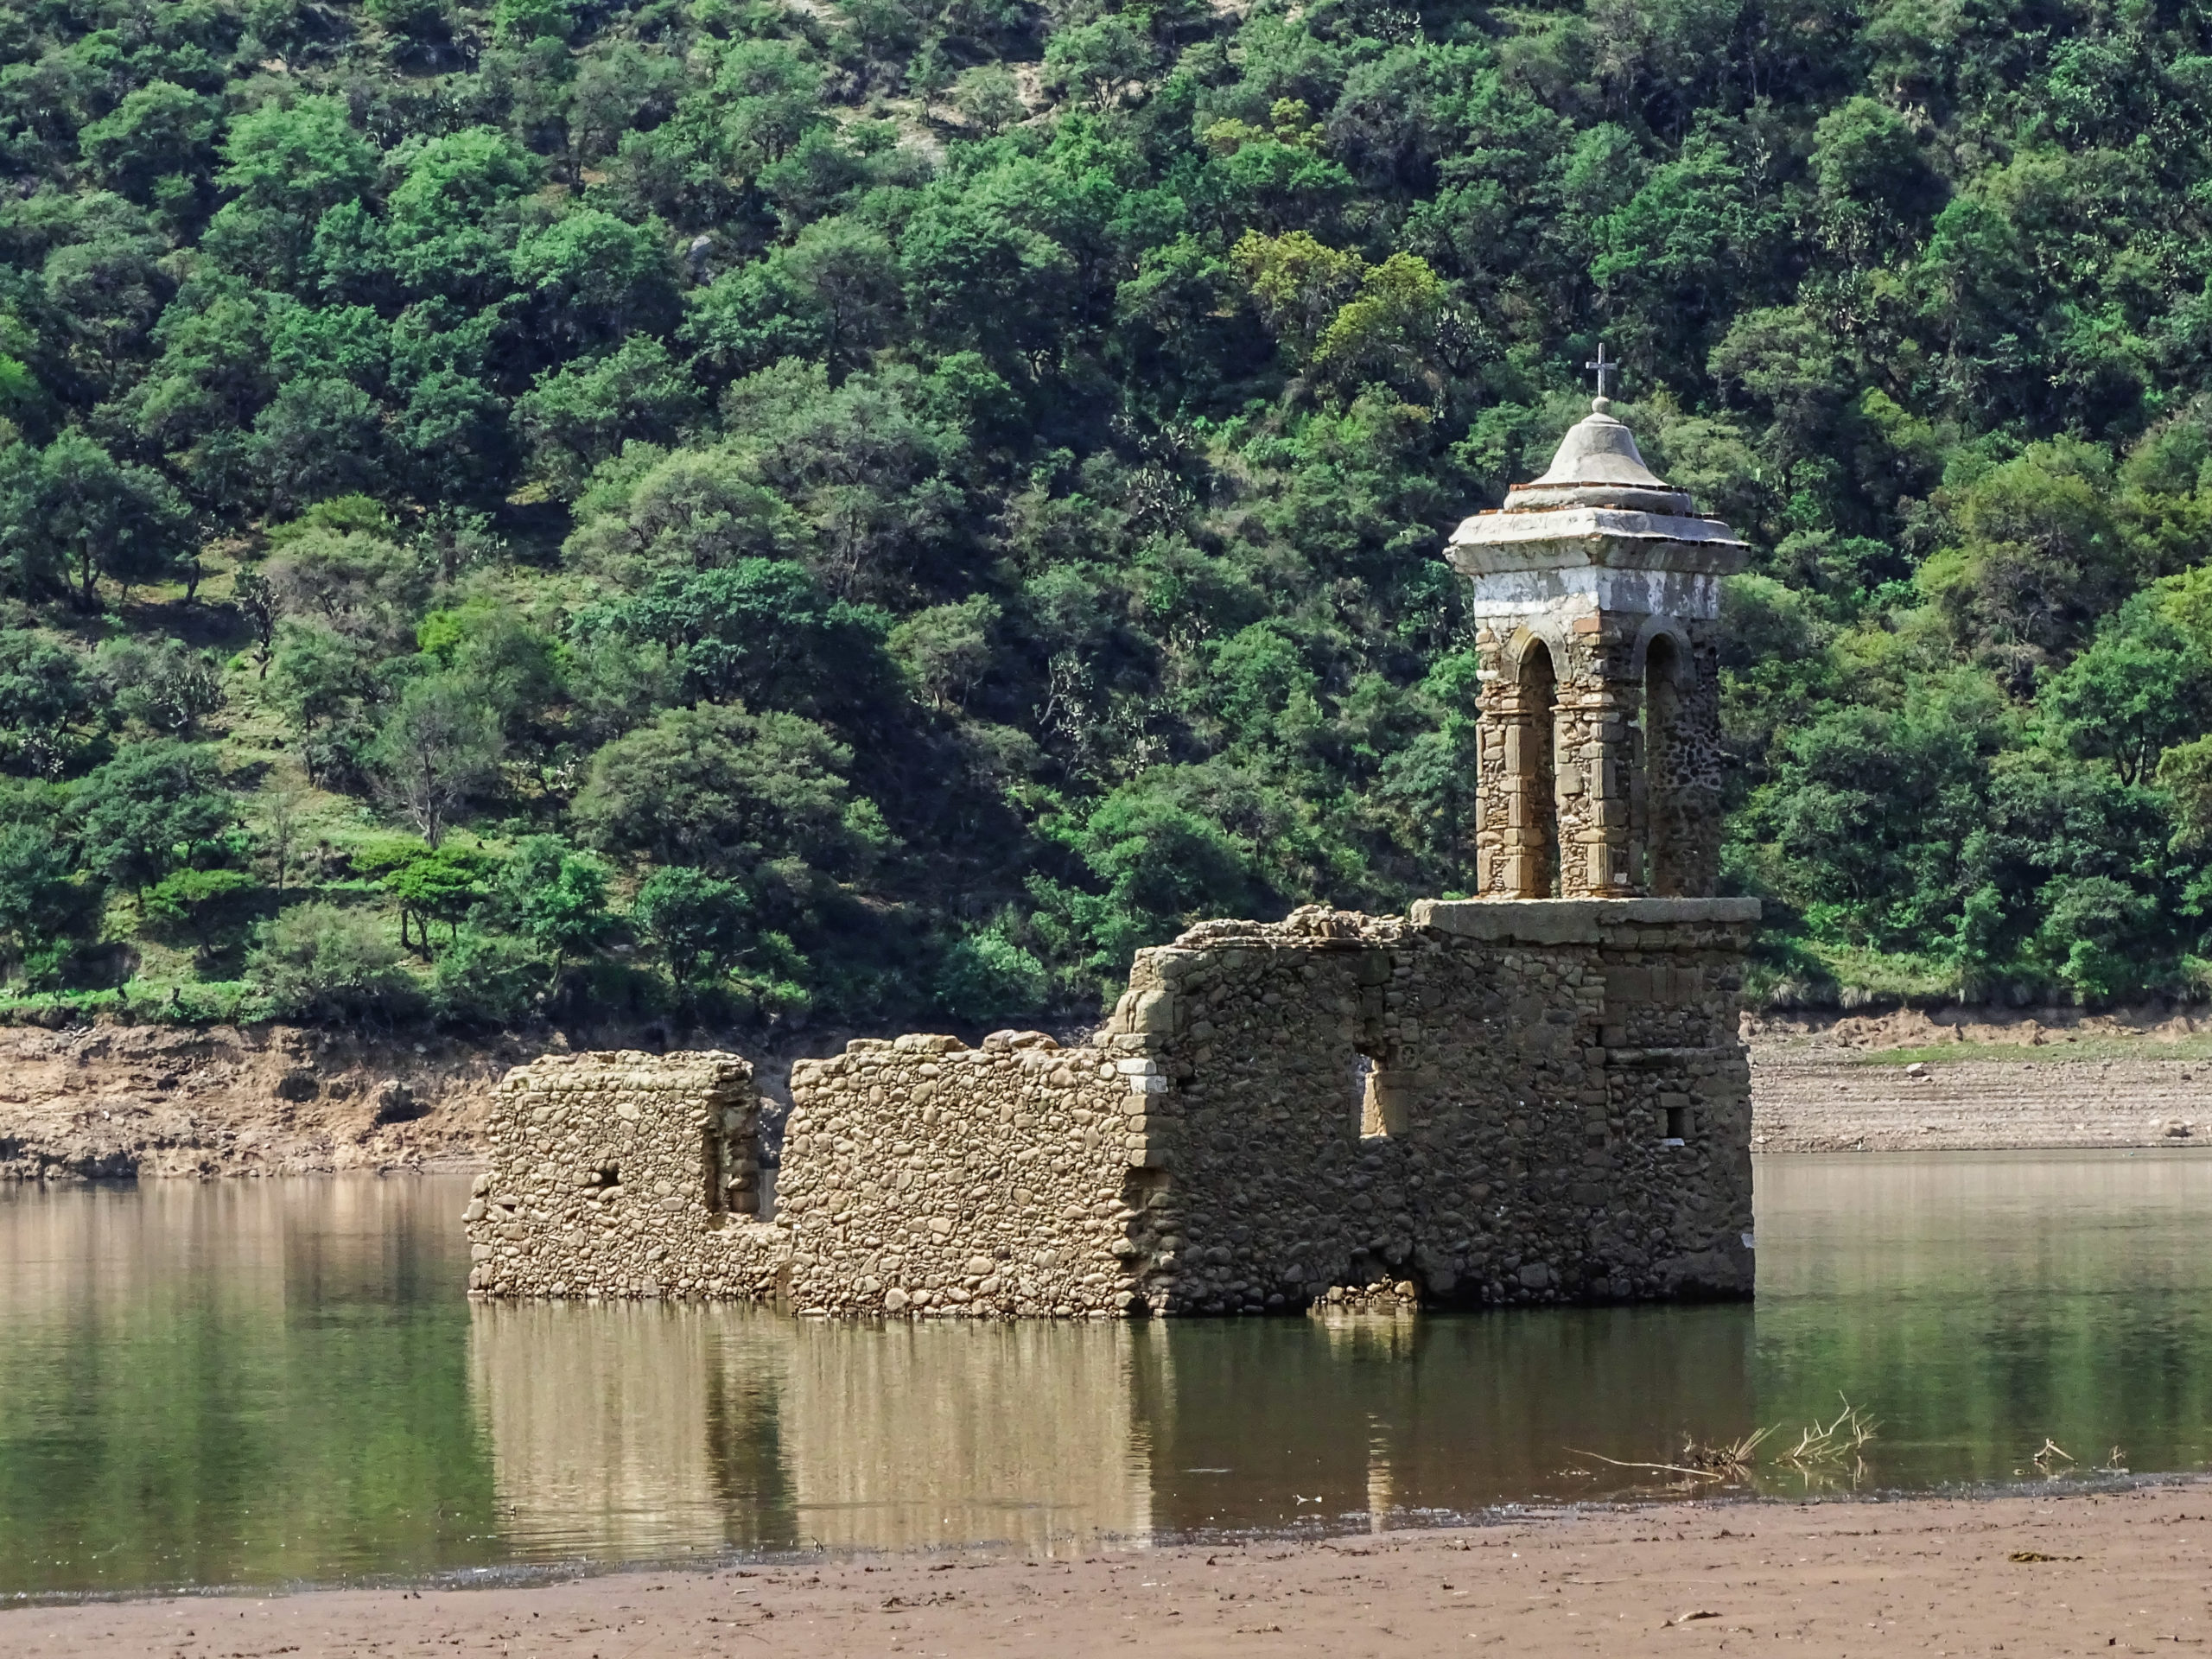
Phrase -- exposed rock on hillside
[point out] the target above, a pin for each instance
(115, 1101)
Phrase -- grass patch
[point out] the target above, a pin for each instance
(1863, 975)
(2099, 1046)
(148, 1002)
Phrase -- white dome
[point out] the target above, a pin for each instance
(1597, 450)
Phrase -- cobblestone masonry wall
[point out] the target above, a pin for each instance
(624, 1174)
(1486, 1103)
(1489, 1103)
(924, 1175)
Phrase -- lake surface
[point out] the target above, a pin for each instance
(259, 1383)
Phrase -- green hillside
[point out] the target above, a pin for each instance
(872, 509)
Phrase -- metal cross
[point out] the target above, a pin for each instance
(1603, 367)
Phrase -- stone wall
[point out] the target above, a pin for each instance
(1496, 1102)
(924, 1175)
(624, 1174)
(1486, 1103)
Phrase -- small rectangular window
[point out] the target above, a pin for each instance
(1379, 1096)
(1678, 1125)
(734, 1177)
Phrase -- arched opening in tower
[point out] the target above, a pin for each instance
(1529, 760)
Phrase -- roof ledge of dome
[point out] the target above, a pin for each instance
(1540, 497)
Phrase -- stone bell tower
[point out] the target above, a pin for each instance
(1596, 590)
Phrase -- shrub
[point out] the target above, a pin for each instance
(486, 978)
(322, 962)
(164, 686)
(987, 976)
(206, 906)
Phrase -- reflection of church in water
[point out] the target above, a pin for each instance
(646, 1430)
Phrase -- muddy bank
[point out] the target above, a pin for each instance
(1810, 1106)
(2041, 1573)
(1980, 1079)
(113, 1101)
(116, 1102)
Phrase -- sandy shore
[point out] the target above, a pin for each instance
(1818, 1104)
(2050, 1572)
(1975, 1080)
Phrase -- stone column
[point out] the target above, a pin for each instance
(1684, 808)
(1489, 769)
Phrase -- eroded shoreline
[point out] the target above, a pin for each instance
(1979, 1081)
(2046, 1570)
(120, 1101)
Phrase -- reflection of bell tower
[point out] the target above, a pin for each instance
(1595, 590)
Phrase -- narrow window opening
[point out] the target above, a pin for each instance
(1662, 707)
(733, 1171)
(764, 1200)
(1678, 1125)
(717, 1160)
(1377, 1097)
(768, 1123)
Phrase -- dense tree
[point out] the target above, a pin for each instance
(759, 631)
(442, 884)
(78, 514)
(934, 498)
(699, 923)
(47, 700)
(438, 749)
(987, 977)
(722, 788)
(157, 139)
(45, 907)
(205, 906)
(556, 900)
(155, 807)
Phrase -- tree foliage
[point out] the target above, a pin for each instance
(892, 509)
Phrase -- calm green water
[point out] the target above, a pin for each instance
(276, 1380)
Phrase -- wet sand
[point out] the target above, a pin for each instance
(2050, 1572)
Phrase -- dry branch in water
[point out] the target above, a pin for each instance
(1817, 1443)
(1699, 1462)
(1830, 1442)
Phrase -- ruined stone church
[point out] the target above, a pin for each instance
(1532, 1095)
